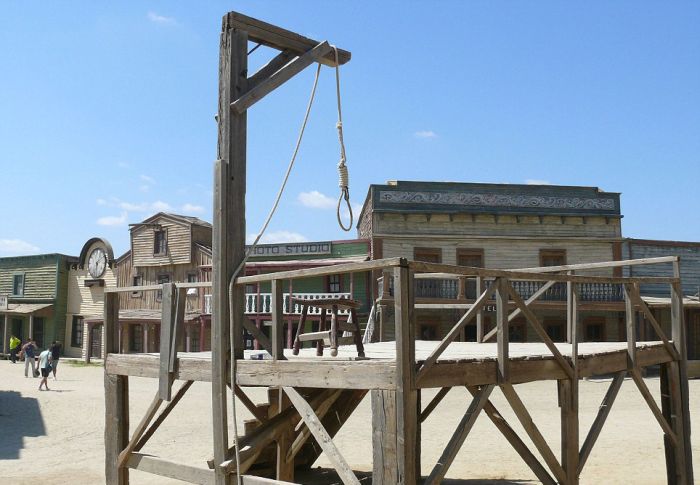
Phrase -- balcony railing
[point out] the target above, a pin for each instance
(449, 289)
(260, 303)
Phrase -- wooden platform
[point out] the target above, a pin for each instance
(463, 363)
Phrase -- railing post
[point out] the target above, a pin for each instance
(502, 335)
(276, 310)
(480, 315)
(116, 398)
(568, 391)
(407, 432)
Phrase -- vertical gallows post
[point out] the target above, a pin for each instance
(568, 392)
(228, 244)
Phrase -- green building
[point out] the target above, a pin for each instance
(33, 297)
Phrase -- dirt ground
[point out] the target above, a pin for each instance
(58, 434)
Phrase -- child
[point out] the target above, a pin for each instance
(45, 365)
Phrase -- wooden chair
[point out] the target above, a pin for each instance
(331, 305)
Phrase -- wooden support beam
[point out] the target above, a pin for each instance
(631, 326)
(407, 426)
(637, 299)
(259, 414)
(479, 288)
(514, 314)
(649, 398)
(257, 335)
(535, 322)
(324, 440)
(568, 390)
(178, 326)
(455, 331)
(229, 231)
(140, 430)
(600, 418)
(278, 38)
(164, 468)
(321, 271)
(284, 74)
(254, 480)
(304, 434)
(434, 402)
(533, 432)
(275, 64)
(164, 414)
(512, 437)
(116, 399)
(463, 428)
(384, 439)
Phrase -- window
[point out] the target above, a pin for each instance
(594, 329)
(470, 257)
(136, 281)
(162, 278)
(39, 331)
(160, 242)
(556, 330)
(192, 278)
(135, 338)
(428, 330)
(552, 257)
(76, 332)
(427, 255)
(517, 331)
(18, 284)
(333, 283)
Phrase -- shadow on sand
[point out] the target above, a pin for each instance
(327, 476)
(19, 417)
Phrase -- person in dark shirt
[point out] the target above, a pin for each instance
(29, 351)
(55, 354)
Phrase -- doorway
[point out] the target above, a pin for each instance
(96, 341)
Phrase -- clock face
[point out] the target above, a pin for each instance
(97, 262)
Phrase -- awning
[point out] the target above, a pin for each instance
(25, 308)
(660, 302)
(307, 262)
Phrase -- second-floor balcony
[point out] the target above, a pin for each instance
(260, 303)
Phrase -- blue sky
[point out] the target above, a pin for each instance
(106, 110)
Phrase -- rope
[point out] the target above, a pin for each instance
(343, 178)
(250, 251)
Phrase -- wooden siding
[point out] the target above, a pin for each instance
(201, 235)
(493, 225)
(505, 253)
(179, 244)
(177, 272)
(40, 276)
(690, 264)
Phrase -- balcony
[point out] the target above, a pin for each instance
(260, 303)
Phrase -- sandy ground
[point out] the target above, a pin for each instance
(58, 435)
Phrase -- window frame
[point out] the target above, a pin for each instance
(470, 252)
(329, 283)
(553, 253)
(156, 246)
(159, 293)
(591, 321)
(554, 322)
(137, 280)
(427, 251)
(428, 322)
(23, 280)
(77, 328)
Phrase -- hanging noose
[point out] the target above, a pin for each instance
(343, 177)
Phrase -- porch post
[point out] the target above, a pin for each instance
(5, 335)
(31, 326)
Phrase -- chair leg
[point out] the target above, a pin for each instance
(321, 328)
(334, 331)
(357, 334)
(300, 329)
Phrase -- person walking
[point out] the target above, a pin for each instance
(29, 350)
(45, 366)
(55, 355)
(14, 348)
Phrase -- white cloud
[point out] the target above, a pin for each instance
(316, 200)
(160, 206)
(161, 19)
(537, 182)
(101, 202)
(278, 237)
(147, 179)
(189, 208)
(16, 247)
(123, 165)
(144, 188)
(128, 206)
(113, 220)
(425, 134)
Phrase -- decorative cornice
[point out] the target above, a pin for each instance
(495, 200)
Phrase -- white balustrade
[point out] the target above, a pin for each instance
(256, 303)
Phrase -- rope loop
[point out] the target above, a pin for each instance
(343, 177)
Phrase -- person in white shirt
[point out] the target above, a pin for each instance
(45, 366)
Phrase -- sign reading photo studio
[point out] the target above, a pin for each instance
(293, 249)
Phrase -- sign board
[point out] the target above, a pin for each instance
(3, 302)
(293, 249)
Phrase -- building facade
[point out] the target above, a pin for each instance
(33, 297)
